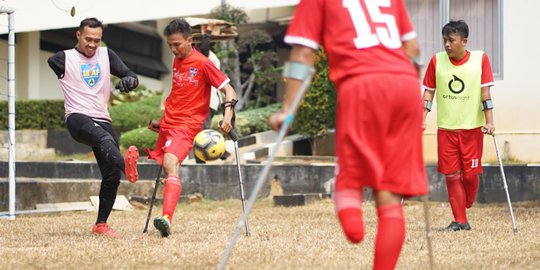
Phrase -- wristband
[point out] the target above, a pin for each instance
(487, 105)
(427, 105)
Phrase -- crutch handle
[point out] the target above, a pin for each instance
(232, 133)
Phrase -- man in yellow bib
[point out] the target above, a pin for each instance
(461, 80)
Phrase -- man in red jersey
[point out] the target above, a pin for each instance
(369, 45)
(462, 79)
(186, 109)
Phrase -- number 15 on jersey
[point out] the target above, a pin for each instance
(386, 33)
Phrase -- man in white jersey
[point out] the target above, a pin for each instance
(84, 74)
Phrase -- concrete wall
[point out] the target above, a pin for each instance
(65, 181)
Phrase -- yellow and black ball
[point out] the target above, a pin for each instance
(209, 145)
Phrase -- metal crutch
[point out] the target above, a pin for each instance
(234, 138)
(514, 226)
(153, 200)
(427, 216)
(266, 169)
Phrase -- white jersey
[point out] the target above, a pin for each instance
(87, 84)
(215, 96)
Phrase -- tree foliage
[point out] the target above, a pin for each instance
(248, 62)
(316, 115)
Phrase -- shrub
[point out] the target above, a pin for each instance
(130, 116)
(34, 114)
(317, 112)
(250, 121)
(247, 122)
(140, 137)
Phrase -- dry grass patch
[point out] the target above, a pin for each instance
(306, 237)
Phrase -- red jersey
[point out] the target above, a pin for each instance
(188, 103)
(358, 36)
(430, 80)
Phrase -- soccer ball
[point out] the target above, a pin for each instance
(209, 145)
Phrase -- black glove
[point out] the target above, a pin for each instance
(127, 84)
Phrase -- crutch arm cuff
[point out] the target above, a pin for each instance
(297, 70)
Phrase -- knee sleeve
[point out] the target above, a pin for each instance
(348, 205)
(111, 153)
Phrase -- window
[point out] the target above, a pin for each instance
(483, 17)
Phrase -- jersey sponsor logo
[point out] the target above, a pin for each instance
(192, 72)
(184, 80)
(456, 85)
(91, 73)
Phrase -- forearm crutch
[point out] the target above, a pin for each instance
(234, 137)
(427, 217)
(514, 226)
(153, 200)
(266, 169)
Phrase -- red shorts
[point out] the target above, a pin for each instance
(175, 141)
(460, 149)
(379, 134)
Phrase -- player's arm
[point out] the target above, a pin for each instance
(487, 107)
(412, 50)
(428, 102)
(57, 63)
(303, 55)
(429, 86)
(228, 107)
(128, 78)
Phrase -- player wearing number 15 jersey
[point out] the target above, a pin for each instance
(369, 45)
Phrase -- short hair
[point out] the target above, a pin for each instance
(178, 26)
(460, 27)
(90, 22)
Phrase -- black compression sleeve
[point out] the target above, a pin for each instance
(57, 62)
(118, 68)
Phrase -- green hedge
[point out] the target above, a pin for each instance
(247, 122)
(251, 121)
(141, 137)
(130, 116)
(34, 114)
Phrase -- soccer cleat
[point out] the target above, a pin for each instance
(163, 225)
(103, 229)
(130, 161)
(456, 226)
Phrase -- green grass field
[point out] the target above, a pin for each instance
(307, 237)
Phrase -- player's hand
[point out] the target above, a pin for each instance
(225, 125)
(153, 125)
(127, 84)
(488, 128)
(276, 120)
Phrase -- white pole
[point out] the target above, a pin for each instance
(11, 108)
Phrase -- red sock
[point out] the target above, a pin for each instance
(470, 182)
(456, 197)
(348, 204)
(171, 194)
(390, 236)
